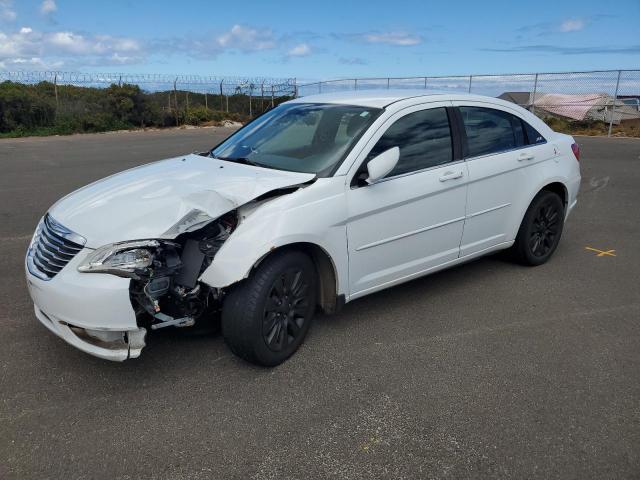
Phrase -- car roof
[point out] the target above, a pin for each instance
(383, 98)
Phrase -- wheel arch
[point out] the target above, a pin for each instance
(558, 188)
(328, 297)
(555, 185)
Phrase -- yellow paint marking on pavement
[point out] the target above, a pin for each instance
(602, 253)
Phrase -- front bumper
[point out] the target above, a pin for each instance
(90, 311)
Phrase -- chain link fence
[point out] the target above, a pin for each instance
(595, 102)
(67, 102)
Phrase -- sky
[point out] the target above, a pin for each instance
(319, 40)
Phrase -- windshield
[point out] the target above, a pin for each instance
(299, 137)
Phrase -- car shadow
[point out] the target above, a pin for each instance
(172, 352)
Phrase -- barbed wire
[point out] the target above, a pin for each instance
(597, 81)
(154, 82)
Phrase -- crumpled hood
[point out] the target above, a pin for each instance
(147, 201)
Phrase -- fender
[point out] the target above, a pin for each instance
(531, 195)
(315, 214)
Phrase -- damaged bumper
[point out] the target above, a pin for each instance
(92, 313)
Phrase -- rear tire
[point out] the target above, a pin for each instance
(540, 230)
(266, 318)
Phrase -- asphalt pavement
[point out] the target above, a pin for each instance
(487, 370)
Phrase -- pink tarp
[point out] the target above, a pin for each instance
(571, 106)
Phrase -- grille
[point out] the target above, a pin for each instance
(53, 246)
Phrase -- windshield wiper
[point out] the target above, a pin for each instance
(242, 160)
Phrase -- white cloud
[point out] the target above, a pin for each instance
(33, 63)
(66, 47)
(402, 39)
(300, 50)
(7, 13)
(246, 39)
(396, 38)
(47, 7)
(572, 25)
(352, 61)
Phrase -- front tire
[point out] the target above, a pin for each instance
(540, 230)
(266, 318)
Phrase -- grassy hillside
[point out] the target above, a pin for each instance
(35, 110)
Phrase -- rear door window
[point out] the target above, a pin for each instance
(491, 131)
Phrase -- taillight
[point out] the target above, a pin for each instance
(576, 150)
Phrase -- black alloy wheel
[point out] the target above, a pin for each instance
(266, 318)
(545, 229)
(540, 230)
(285, 309)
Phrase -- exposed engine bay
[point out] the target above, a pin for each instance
(167, 293)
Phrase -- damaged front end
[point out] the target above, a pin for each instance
(167, 293)
(164, 289)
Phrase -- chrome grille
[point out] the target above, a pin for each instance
(52, 247)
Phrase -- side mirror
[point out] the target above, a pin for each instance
(379, 167)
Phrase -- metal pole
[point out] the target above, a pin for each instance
(250, 106)
(272, 96)
(120, 81)
(226, 97)
(55, 90)
(206, 104)
(388, 83)
(470, 79)
(221, 97)
(425, 83)
(262, 97)
(175, 98)
(532, 100)
(355, 84)
(613, 108)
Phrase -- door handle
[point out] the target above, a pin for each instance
(450, 176)
(526, 156)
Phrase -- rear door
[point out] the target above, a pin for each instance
(500, 159)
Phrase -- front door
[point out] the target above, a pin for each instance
(412, 220)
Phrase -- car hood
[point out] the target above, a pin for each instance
(165, 198)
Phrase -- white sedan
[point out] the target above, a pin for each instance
(317, 202)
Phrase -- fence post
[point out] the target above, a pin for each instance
(388, 83)
(206, 104)
(250, 95)
(470, 79)
(613, 108)
(532, 100)
(55, 91)
(120, 81)
(175, 99)
(425, 83)
(272, 96)
(355, 84)
(262, 97)
(221, 97)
